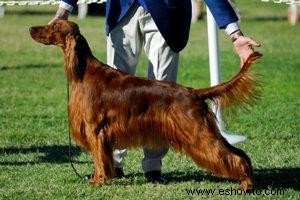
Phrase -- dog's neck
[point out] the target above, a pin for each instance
(77, 58)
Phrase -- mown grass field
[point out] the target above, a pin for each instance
(34, 132)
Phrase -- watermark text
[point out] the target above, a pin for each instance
(234, 191)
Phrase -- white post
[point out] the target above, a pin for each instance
(293, 13)
(2, 11)
(82, 10)
(214, 58)
(215, 75)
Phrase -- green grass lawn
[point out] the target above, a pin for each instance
(33, 121)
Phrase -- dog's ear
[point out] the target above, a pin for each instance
(72, 60)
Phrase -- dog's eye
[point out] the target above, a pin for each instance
(55, 28)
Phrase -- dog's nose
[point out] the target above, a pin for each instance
(32, 29)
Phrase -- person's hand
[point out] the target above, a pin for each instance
(60, 14)
(244, 46)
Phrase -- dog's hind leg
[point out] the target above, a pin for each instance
(211, 151)
(101, 151)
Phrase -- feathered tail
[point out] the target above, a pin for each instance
(241, 89)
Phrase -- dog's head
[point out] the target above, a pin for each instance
(57, 33)
(65, 34)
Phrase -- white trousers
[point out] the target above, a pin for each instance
(124, 44)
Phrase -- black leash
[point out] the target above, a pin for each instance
(70, 139)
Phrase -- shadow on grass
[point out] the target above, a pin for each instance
(29, 12)
(46, 154)
(278, 178)
(267, 18)
(264, 178)
(282, 178)
(27, 66)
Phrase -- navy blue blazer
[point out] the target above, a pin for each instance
(172, 17)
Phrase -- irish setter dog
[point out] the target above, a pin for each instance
(111, 109)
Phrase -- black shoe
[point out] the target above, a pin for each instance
(155, 177)
(88, 177)
(119, 173)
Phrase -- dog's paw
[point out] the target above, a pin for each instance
(246, 185)
(97, 181)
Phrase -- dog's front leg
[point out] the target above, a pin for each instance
(101, 151)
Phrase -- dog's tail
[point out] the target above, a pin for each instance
(241, 89)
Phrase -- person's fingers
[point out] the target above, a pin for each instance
(245, 53)
(244, 47)
(242, 61)
(253, 43)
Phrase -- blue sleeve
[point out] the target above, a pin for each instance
(222, 12)
(70, 2)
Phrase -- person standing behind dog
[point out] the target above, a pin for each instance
(161, 27)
